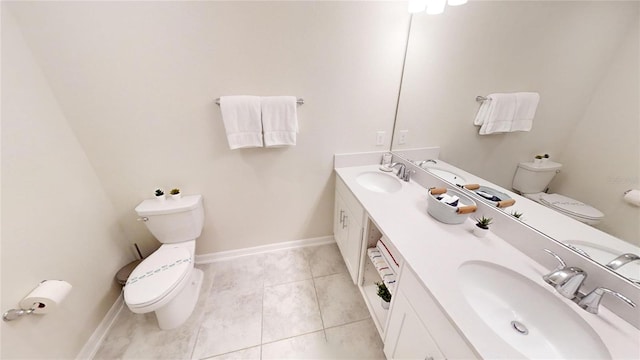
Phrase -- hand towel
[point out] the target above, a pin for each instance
(501, 112)
(241, 118)
(483, 112)
(279, 120)
(526, 105)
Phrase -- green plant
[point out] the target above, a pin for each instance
(159, 192)
(483, 222)
(383, 292)
(546, 156)
(174, 191)
(516, 214)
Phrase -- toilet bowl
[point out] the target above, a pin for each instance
(166, 282)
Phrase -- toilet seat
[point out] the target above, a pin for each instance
(571, 207)
(156, 277)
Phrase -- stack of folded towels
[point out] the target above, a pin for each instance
(385, 263)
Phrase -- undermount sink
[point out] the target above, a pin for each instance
(446, 175)
(379, 182)
(531, 319)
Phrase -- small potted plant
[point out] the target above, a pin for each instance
(517, 215)
(160, 194)
(539, 159)
(175, 193)
(482, 226)
(384, 294)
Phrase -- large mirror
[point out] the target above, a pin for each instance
(582, 58)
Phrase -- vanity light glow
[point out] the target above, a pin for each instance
(432, 7)
(456, 2)
(435, 7)
(416, 6)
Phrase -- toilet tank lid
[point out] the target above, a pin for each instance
(169, 206)
(545, 166)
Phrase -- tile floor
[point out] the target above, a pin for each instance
(288, 304)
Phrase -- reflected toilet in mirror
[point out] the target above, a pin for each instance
(532, 180)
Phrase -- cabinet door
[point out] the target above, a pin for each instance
(339, 226)
(406, 336)
(352, 245)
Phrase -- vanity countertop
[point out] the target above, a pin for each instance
(435, 251)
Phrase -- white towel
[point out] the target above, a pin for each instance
(526, 105)
(507, 112)
(280, 120)
(501, 112)
(241, 117)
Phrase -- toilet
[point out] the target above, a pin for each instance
(531, 180)
(166, 282)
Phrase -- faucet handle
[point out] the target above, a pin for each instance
(561, 265)
(621, 260)
(591, 301)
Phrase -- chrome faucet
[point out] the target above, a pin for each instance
(622, 260)
(403, 173)
(591, 301)
(567, 280)
(420, 163)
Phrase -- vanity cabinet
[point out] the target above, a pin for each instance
(347, 227)
(417, 328)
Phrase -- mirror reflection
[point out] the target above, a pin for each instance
(582, 152)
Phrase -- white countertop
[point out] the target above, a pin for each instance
(435, 251)
(560, 227)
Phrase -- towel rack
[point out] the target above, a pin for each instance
(480, 98)
(299, 101)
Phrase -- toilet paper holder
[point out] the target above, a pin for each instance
(14, 314)
(43, 299)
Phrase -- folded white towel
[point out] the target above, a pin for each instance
(507, 112)
(279, 120)
(241, 118)
(502, 109)
(526, 105)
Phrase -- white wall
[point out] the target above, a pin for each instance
(602, 153)
(137, 82)
(560, 49)
(57, 221)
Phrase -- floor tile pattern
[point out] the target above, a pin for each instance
(289, 304)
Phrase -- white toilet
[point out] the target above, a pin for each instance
(167, 281)
(531, 180)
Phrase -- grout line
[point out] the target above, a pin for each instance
(293, 337)
(315, 291)
(349, 323)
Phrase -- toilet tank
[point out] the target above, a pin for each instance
(533, 178)
(173, 221)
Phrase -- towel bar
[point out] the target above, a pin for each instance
(299, 101)
(481, 98)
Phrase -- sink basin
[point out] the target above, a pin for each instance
(528, 317)
(379, 182)
(447, 175)
(604, 255)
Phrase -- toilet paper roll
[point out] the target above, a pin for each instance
(632, 197)
(47, 296)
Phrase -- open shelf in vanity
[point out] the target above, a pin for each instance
(385, 269)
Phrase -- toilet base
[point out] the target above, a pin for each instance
(178, 310)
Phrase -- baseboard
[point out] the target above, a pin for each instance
(93, 344)
(230, 254)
